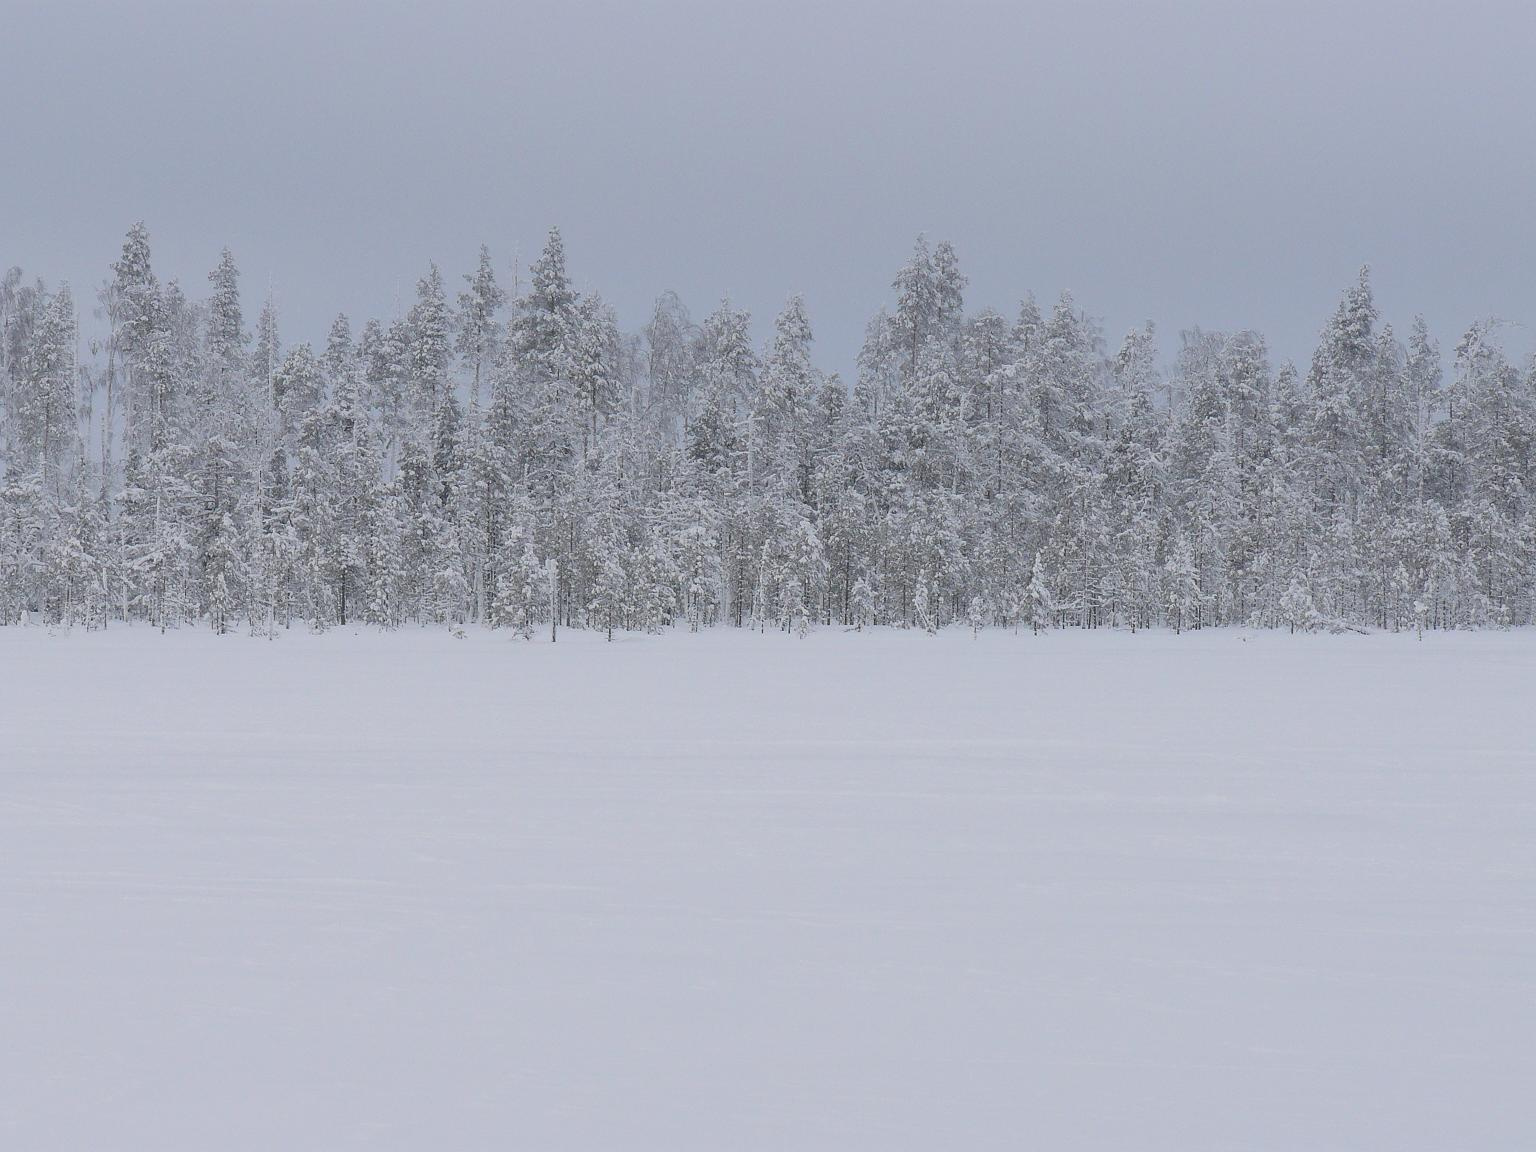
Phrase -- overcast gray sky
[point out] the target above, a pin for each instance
(1227, 164)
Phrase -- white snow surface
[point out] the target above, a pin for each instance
(733, 891)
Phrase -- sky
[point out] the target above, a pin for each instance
(1216, 163)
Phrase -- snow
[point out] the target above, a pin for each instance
(730, 891)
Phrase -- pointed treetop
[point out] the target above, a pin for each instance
(551, 283)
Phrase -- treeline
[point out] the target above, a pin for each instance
(517, 462)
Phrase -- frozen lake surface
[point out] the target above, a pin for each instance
(734, 891)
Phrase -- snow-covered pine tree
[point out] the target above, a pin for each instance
(479, 327)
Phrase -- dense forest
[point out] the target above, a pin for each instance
(517, 461)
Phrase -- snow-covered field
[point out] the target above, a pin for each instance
(745, 892)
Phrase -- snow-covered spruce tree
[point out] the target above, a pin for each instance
(669, 339)
(430, 349)
(78, 562)
(1042, 601)
(479, 322)
(41, 401)
(861, 606)
(976, 615)
(609, 588)
(1182, 583)
(522, 599)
